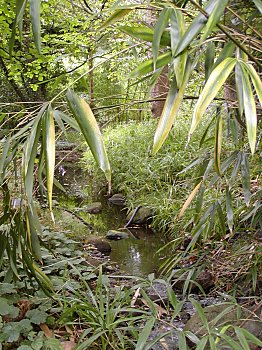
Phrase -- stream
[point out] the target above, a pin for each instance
(137, 255)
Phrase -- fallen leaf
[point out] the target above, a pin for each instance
(48, 333)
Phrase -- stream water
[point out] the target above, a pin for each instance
(136, 255)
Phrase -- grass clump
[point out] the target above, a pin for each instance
(143, 179)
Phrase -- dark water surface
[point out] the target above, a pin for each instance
(136, 255)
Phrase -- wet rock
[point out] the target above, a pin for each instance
(116, 235)
(229, 316)
(205, 279)
(93, 208)
(100, 244)
(142, 216)
(117, 199)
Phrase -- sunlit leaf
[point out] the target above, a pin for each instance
(147, 66)
(255, 79)
(250, 110)
(218, 143)
(35, 7)
(115, 17)
(258, 4)
(177, 28)
(171, 107)
(90, 130)
(211, 88)
(145, 34)
(189, 200)
(214, 18)
(226, 52)
(195, 27)
(49, 151)
(160, 26)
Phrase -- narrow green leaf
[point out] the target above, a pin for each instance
(226, 52)
(213, 18)
(245, 178)
(68, 120)
(218, 143)
(251, 337)
(19, 12)
(90, 130)
(33, 236)
(230, 218)
(147, 66)
(35, 7)
(146, 34)
(211, 88)
(182, 345)
(209, 60)
(3, 159)
(142, 339)
(159, 29)
(202, 344)
(258, 4)
(255, 79)
(115, 17)
(250, 110)
(172, 104)
(177, 28)
(221, 220)
(241, 337)
(195, 27)
(49, 151)
(239, 88)
(200, 312)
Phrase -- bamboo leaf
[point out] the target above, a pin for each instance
(245, 178)
(226, 52)
(258, 4)
(49, 151)
(172, 104)
(255, 79)
(210, 57)
(33, 236)
(195, 27)
(230, 218)
(211, 88)
(145, 334)
(19, 12)
(189, 200)
(159, 29)
(218, 143)
(213, 18)
(177, 28)
(239, 88)
(35, 7)
(147, 66)
(145, 34)
(90, 130)
(115, 17)
(200, 312)
(250, 110)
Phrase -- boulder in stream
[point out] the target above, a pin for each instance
(100, 244)
(116, 235)
(142, 216)
(220, 315)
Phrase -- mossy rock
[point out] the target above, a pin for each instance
(142, 216)
(93, 208)
(117, 199)
(116, 235)
(100, 244)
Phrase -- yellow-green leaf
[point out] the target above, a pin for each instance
(147, 66)
(90, 130)
(19, 10)
(211, 88)
(258, 4)
(255, 79)
(250, 110)
(146, 34)
(213, 18)
(218, 143)
(116, 16)
(189, 200)
(49, 151)
(172, 104)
